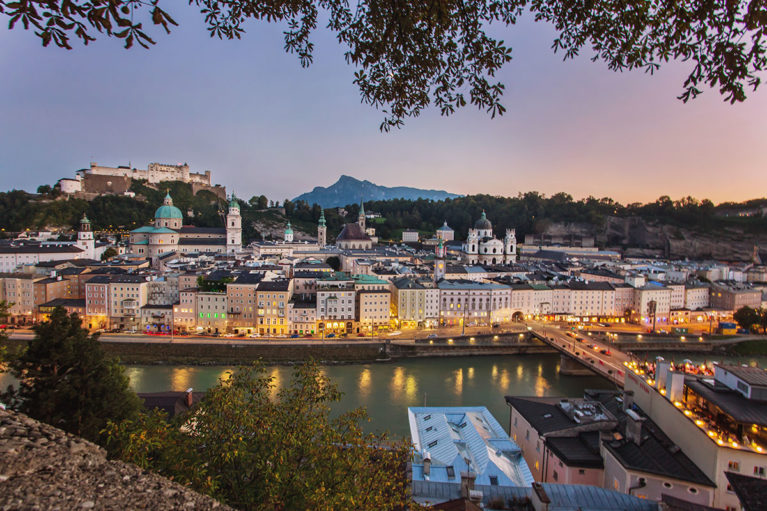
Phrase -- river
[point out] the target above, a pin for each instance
(387, 389)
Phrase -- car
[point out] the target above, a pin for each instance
(432, 336)
(295, 336)
(330, 336)
(605, 352)
(308, 336)
(215, 334)
(253, 336)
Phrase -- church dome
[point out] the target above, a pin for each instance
(445, 227)
(483, 223)
(289, 230)
(168, 210)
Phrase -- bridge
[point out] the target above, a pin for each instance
(582, 354)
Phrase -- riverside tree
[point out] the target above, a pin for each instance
(66, 380)
(255, 447)
(410, 54)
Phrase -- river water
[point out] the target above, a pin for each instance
(387, 389)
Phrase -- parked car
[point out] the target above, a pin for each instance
(431, 336)
(330, 336)
(295, 336)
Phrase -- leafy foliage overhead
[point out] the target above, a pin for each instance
(410, 54)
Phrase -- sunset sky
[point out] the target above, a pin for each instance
(263, 125)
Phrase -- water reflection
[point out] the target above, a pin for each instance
(505, 380)
(458, 382)
(181, 378)
(542, 386)
(397, 382)
(275, 385)
(388, 389)
(411, 388)
(364, 382)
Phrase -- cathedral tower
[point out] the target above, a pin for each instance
(510, 246)
(288, 234)
(233, 227)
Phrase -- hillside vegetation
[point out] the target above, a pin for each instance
(656, 225)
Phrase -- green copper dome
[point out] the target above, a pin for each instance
(168, 210)
(288, 230)
(322, 217)
(233, 203)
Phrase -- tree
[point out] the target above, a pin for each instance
(254, 447)
(66, 380)
(44, 189)
(109, 253)
(409, 55)
(334, 262)
(746, 317)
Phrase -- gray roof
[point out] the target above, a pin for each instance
(752, 375)
(732, 402)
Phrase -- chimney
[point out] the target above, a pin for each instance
(661, 374)
(628, 399)
(426, 464)
(675, 386)
(540, 500)
(188, 398)
(467, 483)
(634, 427)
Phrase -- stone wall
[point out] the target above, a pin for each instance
(45, 468)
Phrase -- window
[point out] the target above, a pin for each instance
(668, 485)
(432, 444)
(450, 472)
(734, 466)
(581, 471)
(555, 476)
(759, 471)
(494, 480)
(692, 490)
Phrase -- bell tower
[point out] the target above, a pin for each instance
(510, 246)
(233, 227)
(85, 239)
(361, 217)
(322, 230)
(439, 262)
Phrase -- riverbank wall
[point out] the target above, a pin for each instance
(232, 352)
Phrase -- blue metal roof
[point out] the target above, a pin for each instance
(466, 439)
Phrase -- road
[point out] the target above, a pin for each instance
(587, 350)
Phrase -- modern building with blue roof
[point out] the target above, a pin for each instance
(452, 444)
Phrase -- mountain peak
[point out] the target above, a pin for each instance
(350, 190)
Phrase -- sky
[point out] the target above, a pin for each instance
(248, 112)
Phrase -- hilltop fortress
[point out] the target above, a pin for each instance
(100, 180)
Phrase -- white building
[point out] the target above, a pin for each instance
(462, 449)
(473, 303)
(415, 302)
(445, 233)
(410, 236)
(482, 247)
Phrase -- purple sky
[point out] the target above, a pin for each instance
(248, 112)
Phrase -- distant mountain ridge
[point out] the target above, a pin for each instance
(349, 190)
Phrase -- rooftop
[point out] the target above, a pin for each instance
(459, 439)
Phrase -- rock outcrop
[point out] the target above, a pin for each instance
(42, 467)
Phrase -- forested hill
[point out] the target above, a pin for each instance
(683, 228)
(348, 190)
